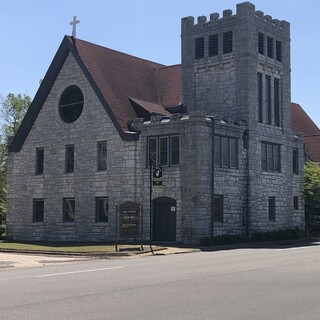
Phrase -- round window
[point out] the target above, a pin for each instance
(71, 104)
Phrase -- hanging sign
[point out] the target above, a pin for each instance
(157, 179)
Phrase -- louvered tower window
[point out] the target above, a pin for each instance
(268, 99)
(276, 99)
(278, 51)
(261, 43)
(270, 47)
(199, 48)
(213, 45)
(227, 42)
(260, 97)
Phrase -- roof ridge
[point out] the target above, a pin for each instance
(117, 51)
(167, 67)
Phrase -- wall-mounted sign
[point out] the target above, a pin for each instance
(157, 179)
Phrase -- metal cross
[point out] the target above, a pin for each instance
(74, 24)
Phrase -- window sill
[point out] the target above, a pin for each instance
(101, 172)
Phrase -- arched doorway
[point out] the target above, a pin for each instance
(164, 219)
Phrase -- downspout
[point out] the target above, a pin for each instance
(131, 129)
(212, 176)
(248, 217)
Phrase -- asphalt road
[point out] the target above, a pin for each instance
(276, 283)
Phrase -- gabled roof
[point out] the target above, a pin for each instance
(129, 87)
(144, 109)
(301, 122)
(115, 77)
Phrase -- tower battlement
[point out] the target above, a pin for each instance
(244, 10)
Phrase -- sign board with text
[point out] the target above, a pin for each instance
(129, 220)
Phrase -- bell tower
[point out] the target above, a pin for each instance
(238, 66)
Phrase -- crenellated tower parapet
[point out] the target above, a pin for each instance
(221, 57)
(244, 11)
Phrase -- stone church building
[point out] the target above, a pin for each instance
(218, 126)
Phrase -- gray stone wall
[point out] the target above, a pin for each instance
(191, 182)
(224, 86)
(119, 182)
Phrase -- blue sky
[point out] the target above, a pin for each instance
(31, 32)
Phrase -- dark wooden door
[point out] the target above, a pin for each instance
(164, 219)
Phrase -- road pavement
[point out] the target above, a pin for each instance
(248, 283)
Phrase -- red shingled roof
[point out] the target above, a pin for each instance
(120, 76)
(169, 85)
(128, 86)
(132, 86)
(301, 122)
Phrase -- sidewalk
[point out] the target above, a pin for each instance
(14, 259)
(24, 260)
(9, 260)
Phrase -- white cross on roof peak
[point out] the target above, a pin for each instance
(74, 24)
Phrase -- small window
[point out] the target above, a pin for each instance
(261, 43)
(175, 150)
(270, 47)
(71, 104)
(102, 155)
(268, 99)
(272, 208)
(218, 208)
(277, 102)
(199, 48)
(213, 45)
(270, 157)
(217, 151)
(264, 156)
(69, 210)
(227, 42)
(276, 158)
(39, 160)
(296, 203)
(278, 51)
(233, 152)
(38, 210)
(226, 152)
(260, 98)
(69, 158)
(295, 161)
(102, 209)
(152, 151)
(164, 151)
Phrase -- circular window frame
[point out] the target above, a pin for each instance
(71, 104)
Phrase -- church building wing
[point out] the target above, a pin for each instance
(118, 146)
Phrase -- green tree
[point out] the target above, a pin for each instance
(312, 196)
(12, 111)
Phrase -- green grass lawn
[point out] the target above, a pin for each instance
(67, 247)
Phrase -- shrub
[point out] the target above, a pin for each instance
(2, 231)
(283, 234)
(224, 239)
(312, 196)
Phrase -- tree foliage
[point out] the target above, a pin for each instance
(312, 196)
(12, 111)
